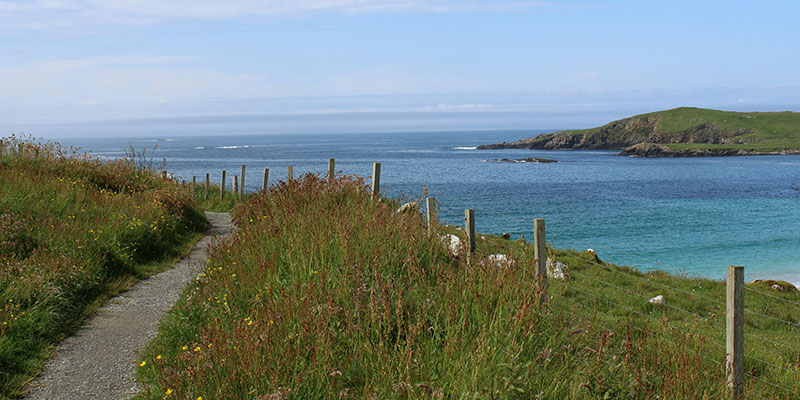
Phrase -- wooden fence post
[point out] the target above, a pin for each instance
(540, 253)
(222, 186)
(208, 184)
(2, 149)
(20, 150)
(469, 227)
(265, 185)
(291, 174)
(235, 186)
(194, 186)
(241, 184)
(376, 179)
(430, 211)
(734, 332)
(331, 170)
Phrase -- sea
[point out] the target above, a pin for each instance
(692, 216)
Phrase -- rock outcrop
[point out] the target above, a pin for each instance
(526, 160)
(659, 150)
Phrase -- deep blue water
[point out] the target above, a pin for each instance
(694, 216)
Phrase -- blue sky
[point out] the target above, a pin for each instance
(309, 65)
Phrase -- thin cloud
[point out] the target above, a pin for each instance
(61, 14)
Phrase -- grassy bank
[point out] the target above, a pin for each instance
(74, 231)
(327, 293)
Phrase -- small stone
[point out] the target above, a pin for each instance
(658, 300)
(557, 270)
(406, 207)
(452, 242)
(500, 261)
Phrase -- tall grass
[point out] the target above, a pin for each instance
(326, 293)
(73, 231)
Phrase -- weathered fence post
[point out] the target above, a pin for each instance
(2, 149)
(241, 184)
(430, 211)
(469, 227)
(376, 179)
(734, 332)
(331, 170)
(20, 150)
(235, 186)
(222, 186)
(265, 185)
(291, 174)
(540, 253)
(194, 187)
(208, 184)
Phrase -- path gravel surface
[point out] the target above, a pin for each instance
(99, 361)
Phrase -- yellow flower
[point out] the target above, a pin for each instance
(199, 397)
(209, 345)
(196, 349)
(184, 348)
(250, 322)
(142, 364)
(158, 357)
(168, 392)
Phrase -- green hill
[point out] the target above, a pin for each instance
(680, 132)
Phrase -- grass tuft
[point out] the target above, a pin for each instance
(75, 230)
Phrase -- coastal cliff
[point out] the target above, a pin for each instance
(681, 132)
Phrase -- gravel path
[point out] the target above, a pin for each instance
(99, 361)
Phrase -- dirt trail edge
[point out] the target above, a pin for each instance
(99, 361)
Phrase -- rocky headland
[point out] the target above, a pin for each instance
(681, 132)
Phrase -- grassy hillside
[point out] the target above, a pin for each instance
(327, 293)
(770, 131)
(679, 129)
(74, 231)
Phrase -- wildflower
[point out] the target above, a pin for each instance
(143, 363)
(158, 357)
(196, 349)
(210, 345)
(168, 392)
(250, 322)
(184, 348)
(233, 275)
(199, 397)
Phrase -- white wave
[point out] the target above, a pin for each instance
(232, 147)
(465, 148)
(199, 148)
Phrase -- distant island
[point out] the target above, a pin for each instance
(680, 132)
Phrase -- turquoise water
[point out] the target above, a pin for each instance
(693, 216)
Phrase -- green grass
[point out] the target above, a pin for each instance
(73, 232)
(771, 131)
(327, 293)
